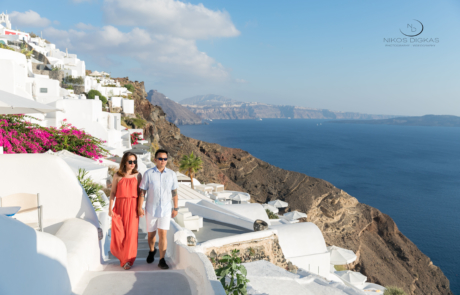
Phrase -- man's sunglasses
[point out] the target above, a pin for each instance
(162, 159)
(132, 162)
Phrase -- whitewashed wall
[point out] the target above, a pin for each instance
(128, 106)
(303, 244)
(196, 265)
(61, 194)
(13, 74)
(33, 262)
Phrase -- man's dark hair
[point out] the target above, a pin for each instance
(161, 151)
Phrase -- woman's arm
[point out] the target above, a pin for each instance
(140, 197)
(113, 192)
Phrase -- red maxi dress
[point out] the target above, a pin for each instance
(125, 221)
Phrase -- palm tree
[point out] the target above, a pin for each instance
(190, 164)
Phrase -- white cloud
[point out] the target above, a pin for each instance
(28, 19)
(85, 27)
(241, 81)
(160, 55)
(161, 39)
(172, 17)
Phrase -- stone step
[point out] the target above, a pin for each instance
(141, 254)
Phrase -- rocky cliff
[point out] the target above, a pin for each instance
(259, 110)
(385, 255)
(175, 113)
(427, 120)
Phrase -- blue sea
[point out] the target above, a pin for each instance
(410, 173)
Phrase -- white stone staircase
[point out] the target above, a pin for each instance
(142, 278)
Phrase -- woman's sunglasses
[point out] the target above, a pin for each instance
(132, 162)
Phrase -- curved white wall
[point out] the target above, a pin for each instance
(61, 194)
(300, 239)
(303, 244)
(81, 241)
(32, 262)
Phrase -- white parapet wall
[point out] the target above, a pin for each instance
(33, 262)
(60, 192)
(196, 265)
(81, 240)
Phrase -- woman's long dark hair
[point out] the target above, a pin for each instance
(122, 170)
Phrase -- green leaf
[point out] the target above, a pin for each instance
(243, 270)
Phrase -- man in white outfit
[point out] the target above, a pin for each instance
(160, 185)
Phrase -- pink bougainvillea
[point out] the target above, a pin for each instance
(135, 136)
(20, 136)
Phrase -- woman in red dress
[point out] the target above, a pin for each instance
(125, 219)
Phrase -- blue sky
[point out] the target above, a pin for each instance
(319, 54)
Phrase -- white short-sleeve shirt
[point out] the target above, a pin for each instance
(159, 186)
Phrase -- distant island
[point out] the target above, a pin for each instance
(427, 120)
(175, 113)
(215, 107)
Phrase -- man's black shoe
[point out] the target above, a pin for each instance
(163, 264)
(151, 256)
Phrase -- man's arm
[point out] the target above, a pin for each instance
(175, 198)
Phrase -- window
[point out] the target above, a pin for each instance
(43, 90)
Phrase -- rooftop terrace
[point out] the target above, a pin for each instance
(215, 230)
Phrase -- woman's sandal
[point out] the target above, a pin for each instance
(127, 266)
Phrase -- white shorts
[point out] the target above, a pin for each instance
(154, 223)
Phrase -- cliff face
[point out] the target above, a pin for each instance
(254, 111)
(385, 255)
(175, 113)
(427, 120)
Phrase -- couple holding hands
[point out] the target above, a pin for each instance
(159, 186)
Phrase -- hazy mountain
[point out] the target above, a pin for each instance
(219, 107)
(209, 100)
(427, 120)
(175, 113)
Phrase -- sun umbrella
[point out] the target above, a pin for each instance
(240, 197)
(271, 208)
(374, 288)
(278, 204)
(14, 104)
(95, 73)
(341, 256)
(293, 215)
(351, 277)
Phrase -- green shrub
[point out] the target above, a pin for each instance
(93, 93)
(235, 271)
(392, 290)
(340, 267)
(271, 215)
(72, 80)
(130, 87)
(69, 87)
(3, 46)
(92, 189)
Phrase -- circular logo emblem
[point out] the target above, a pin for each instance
(412, 29)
